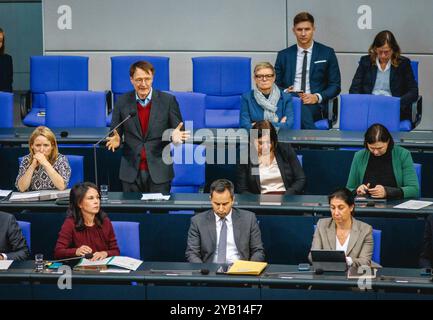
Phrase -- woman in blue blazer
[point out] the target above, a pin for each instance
(266, 101)
(385, 72)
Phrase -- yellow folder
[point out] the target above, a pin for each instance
(247, 267)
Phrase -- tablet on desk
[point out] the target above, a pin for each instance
(329, 260)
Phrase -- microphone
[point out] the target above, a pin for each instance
(86, 256)
(319, 271)
(64, 134)
(130, 115)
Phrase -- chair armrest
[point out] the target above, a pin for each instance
(25, 102)
(109, 100)
(333, 111)
(416, 112)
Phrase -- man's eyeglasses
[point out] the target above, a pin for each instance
(264, 76)
(140, 80)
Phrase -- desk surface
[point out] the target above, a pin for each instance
(260, 204)
(178, 273)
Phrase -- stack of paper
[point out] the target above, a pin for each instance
(413, 204)
(5, 264)
(247, 267)
(122, 262)
(39, 195)
(154, 196)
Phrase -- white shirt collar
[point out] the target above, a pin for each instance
(146, 100)
(388, 65)
(310, 49)
(228, 217)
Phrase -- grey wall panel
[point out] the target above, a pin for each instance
(337, 23)
(175, 25)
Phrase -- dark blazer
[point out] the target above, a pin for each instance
(12, 242)
(164, 115)
(291, 170)
(201, 244)
(402, 81)
(251, 111)
(6, 72)
(426, 257)
(324, 72)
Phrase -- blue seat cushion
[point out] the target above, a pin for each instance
(405, 125)
(32, 119)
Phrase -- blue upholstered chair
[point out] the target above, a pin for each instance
(192, 107)
(78, 109)
(377, 240)
(120, 79)
(51, 73)
(324, 124)
(223, 80)
(359, 111)
(77, 169)
(408, 125)
(189, 168)
(128, 238)
(418, 170)
(7, 110)
(26, 230)
(414, 65)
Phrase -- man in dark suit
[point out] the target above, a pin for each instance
(13, 246)
(224, 234)
(308, 69)
(146, 164)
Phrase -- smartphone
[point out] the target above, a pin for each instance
(303, 267)
(222, 270)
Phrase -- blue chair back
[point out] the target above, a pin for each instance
(418, 171)
(360, 111)
(296, 102)
(26, 230)
(377, 240)
(414, 65)
(54, 73)
(84, 109)
(77, 169)
(128, 238)
(223, 80)
(189, 168)
(120, 79)
(7, 110)
(192, 107)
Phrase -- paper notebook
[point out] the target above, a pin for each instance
(243, 267)
(122, 262)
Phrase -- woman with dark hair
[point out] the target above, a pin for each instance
(87, 229)
(6, 66)
(272, 167)
(266, 101)
(385, 72)
(342, 232)
(382, 169)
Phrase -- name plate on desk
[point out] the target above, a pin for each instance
(271, 199)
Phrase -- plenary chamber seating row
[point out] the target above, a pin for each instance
(222, 81)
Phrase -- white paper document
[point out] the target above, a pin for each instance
(4, 193)
(413, 204)
(39, 195)
(114, 271)
(5, 264)
(88, 263)
(154, 196)
(125, 262)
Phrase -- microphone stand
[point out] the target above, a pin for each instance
(132, 114)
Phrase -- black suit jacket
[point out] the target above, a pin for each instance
(402, 81)
(426, 257)
(12, 242)
(164, 115)
(201, 244)
(290, 168)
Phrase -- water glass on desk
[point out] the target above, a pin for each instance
(39, 262)
(104, 192)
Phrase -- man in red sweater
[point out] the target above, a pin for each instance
(142, 168)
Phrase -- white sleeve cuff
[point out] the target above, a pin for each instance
(319, 96)
(349, 261)
(5, 257)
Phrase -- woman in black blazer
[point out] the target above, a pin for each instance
(272, 167)
(6, 67)
(384, 53)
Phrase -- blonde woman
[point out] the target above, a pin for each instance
(44, 168)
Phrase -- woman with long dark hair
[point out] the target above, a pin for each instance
(87, 229)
